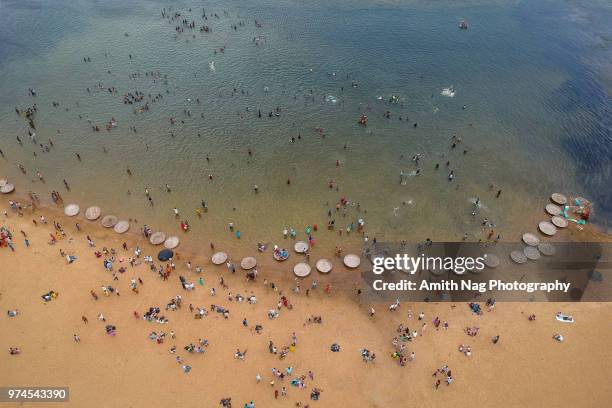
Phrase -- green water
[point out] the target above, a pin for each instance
(530, 76)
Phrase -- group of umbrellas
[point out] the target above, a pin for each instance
(533, 247)
(301, 269)
(119, 226)
(93, 213)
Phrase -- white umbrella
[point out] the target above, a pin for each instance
(301, 270)
(93, 213)
(122, 226)
(300, 247)
(352, 261)
(219, 258)
(157, 238)
(248, 263)
(109, 221)
(71, 210)
(324, 265)
(171, 242)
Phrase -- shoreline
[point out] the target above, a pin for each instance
(188, 248)
(341, 277)
(44, 330)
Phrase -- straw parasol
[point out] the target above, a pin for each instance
(559, 221)
(491, 260)
(122, 226)
(518, 256)
(171, 242)
(302, 269)
(157, 238)
(532, 253)
(109, 221)
(248, 263)
(93, 213)
(71, 210)
(300, 247)
(352, 261)
(219, 258)
(530, 239)
(553, 209)
(547, 228)
(437, 271)
(547, 249)
(324, 265)
(7, 188)
(558, 198)
(476, 270)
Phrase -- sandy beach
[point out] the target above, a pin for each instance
(298, 132)
(525, 368)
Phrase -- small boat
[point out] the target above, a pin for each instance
(463, 25)
(363, 120)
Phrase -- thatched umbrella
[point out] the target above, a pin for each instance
(109, 221)
(530, 239)
(171, 242)
(558, 198)
(559, 221)
(71, 210)
(122, 226)
(324, 265)
(157, 238)
(93, 213)
(352, 261)
(491, 260)
(532, 253)
(302, 269)
(248, 263)
(546, 248)
(553, 209)
(219, 258)
(300, 247)
(547, 228)
(7, 188)
(518, 256)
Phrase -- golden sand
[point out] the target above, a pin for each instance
(526, 368)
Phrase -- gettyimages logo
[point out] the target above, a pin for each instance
(412, 264)
(458, 271)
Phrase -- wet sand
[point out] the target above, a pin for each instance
(526, 368)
